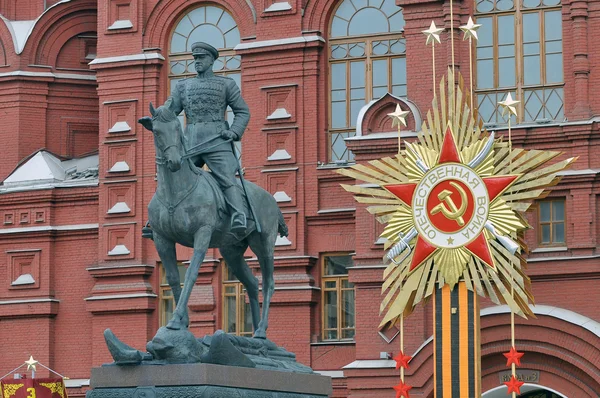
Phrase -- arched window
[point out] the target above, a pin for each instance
(520, 51)
(367, 59)
(215, 26)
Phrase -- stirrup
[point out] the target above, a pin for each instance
(238, 222)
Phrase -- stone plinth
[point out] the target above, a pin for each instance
(203, 381)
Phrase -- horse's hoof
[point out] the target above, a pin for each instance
(174, 325)
(260, 334)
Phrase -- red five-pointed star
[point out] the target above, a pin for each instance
(513, 356)
(514, 385)
(402, 390)
(402, 360)
(495, 186)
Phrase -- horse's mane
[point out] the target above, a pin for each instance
(164, 114)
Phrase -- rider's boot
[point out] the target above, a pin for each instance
(236, 204)
(147, 231)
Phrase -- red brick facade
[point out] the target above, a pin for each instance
(65, 237)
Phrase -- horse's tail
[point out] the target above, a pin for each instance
(281, 227)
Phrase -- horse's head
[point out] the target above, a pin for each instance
(167, 136)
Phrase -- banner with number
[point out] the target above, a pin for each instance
(53, 387)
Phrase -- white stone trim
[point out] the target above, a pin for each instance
(278, 170)
(279, 6)
(120, 127)
(344, 209)
(583, 172)
(279, 154)
(278, 42)
(414, 110)
(119, 167)
(120, 296)
(119, 250)
(379, 136)
(118, 208)
(561, 258)
(24, 279)
(305, 287)
(282, 241)
(121, 24)
(550, 249)
(279, 113)
(73, 76)
(42, 300)
(127, 58)
(45, 228)
(371, 364)
(501, 391)
(76, 383)
(555, 312)
(281, 196)
(334, 374)
(21, 30)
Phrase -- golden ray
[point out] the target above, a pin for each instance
(401, 289)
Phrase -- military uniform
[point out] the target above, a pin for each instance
(205, 98)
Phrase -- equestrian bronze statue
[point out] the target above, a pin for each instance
(201, 209)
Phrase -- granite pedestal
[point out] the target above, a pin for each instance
(204, 380)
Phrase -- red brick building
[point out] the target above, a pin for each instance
(78, 173)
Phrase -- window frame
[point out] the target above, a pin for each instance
(240, 303)
(164, 287)
(551, 223)
(368, 59)
(519, 89)
(339, 308)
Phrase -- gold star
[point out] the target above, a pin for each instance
(509, 105)
(398, 116)
(450, 241)
(433, 33)
(470, 29)
(31, 363)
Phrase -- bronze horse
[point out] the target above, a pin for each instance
(188, 208)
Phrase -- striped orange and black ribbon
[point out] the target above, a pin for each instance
(456, 343)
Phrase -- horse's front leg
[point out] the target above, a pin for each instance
(168, 257)
(201, 242)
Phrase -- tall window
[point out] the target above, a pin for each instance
(237, 318)
(520, 51)
(338, 298)
(215, 26)
(367, 59)
(167, 301)
(552, 222)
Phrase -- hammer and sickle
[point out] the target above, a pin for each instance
(453, 213)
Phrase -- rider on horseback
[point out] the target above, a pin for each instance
(208, 136)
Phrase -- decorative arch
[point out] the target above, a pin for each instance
(560, 343)
(55, 27)
(373, 118)
(165, 16)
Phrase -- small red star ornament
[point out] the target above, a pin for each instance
(402, 360)
(513, 385)
(513, 356)
(402, 390)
